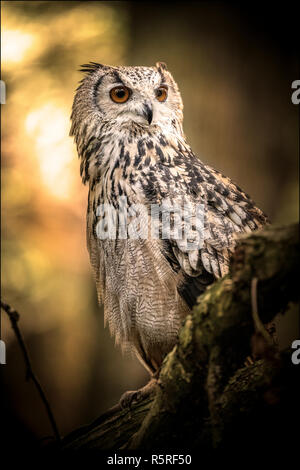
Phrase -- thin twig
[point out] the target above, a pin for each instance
(14, 317)
(259, 326)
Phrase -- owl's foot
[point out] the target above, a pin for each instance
(134, 396)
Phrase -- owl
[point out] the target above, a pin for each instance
(127, 126)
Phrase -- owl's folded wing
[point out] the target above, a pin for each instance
(224, 212)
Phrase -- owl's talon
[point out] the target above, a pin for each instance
(128, 398)
(134, 396)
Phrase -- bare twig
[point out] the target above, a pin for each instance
(259, 326)
(14, 317)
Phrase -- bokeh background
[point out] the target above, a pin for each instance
(234, 66)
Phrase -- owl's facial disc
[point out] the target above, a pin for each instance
(124, 99)
(121, 98)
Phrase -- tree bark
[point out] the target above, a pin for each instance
(206, 397)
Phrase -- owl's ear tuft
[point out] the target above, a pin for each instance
(90, 67)
(161, 66)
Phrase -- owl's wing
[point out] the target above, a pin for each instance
(226, 213)
(93, 245)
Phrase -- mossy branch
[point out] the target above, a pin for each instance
(206, 396)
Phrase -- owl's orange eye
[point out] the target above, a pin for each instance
(162, 93)
(120, 94)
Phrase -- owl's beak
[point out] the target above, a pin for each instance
(148, 112)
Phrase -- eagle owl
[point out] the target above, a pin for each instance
(127, 125)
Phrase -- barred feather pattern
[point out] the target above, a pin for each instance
(148, 286)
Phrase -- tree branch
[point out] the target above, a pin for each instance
(14, 318)
(206, 397)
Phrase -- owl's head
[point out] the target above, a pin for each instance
(144, 97)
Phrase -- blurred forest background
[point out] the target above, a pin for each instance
(234, 66)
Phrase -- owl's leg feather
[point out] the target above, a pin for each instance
(134, 396)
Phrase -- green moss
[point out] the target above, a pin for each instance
(186, 332)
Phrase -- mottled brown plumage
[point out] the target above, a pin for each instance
(136, 149)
